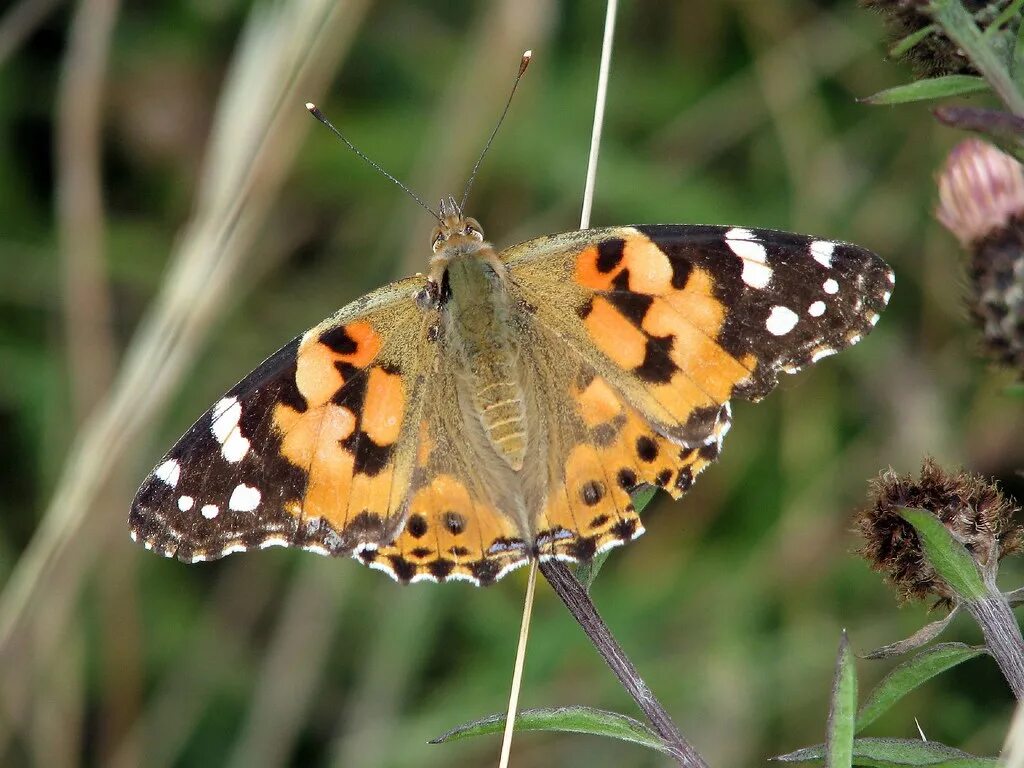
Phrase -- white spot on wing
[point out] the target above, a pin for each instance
(185, 503)
(739, 233)
(226, 415)
(822, 252)
(886, 296)
(819, 354)
(780, 321)
(817, 309)
(169, 472)
(210, 511)
(756, 272)
(273, 542)
(830, 286)
(245, 498)
(873, 319)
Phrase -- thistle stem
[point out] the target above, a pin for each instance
(585, 612)
(1002, 638)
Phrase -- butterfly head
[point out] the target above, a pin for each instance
(455, 229)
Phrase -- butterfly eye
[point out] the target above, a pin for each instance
(437, 242)
(472, 229)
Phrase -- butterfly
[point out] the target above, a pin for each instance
(505, 405)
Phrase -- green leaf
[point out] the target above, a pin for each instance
(946, 555)
(587, 572)
(932, 88)
(843, 711)
(909, 675)
(597, 722)
(895, 753)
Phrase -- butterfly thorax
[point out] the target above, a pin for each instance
(479, 335)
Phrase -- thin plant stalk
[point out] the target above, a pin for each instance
(585, 612)
(517, 673)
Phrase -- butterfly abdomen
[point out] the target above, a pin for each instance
(479, 333)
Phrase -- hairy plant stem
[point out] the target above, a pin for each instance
(585, 612)
(1002, 637)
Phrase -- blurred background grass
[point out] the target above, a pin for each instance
(118, 296)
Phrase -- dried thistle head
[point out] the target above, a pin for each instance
(981, 201)
(971, 507)
(936, 54)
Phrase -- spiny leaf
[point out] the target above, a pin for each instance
(566, 719)
(926, 90)
(896, 753)
(843, 710)
(909, 675)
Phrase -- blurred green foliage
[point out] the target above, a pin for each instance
(718, 112)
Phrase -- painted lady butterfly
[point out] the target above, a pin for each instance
(503, 407)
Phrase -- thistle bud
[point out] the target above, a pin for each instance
(936, 54)
(981, 201)
(972, 508)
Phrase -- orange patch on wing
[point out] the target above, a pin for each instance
(614, 335)
(316, 375)
(681, 395)
(650, 270)
(695, 352)
(383, 406)
(587, 273)
(697, 303)
(312, 442)
(593, 494)
(367, 344)
(598, 403)
(371, 493)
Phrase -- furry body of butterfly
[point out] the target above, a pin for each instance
(503, 407)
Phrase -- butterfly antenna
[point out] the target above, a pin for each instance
(523, 64)
(314, 110)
